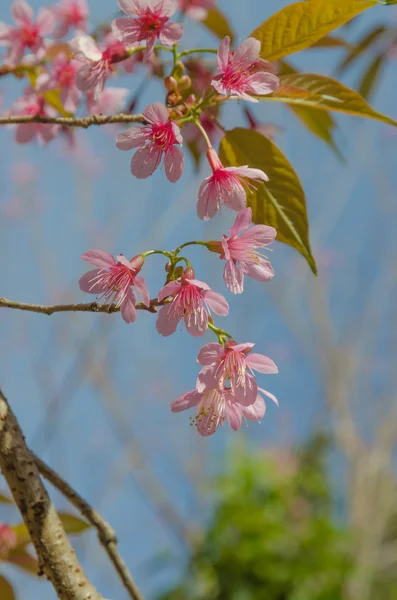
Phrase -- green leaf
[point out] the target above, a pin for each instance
(331, 41)
(323, 93)
(21, 558)
(302, 24)
(320, 123)
(281, 201)
(360, 47)
(371, 76)
(5, 500)
(6, 589)
(387, 2)
(53, 98)
(218, 24)
(72, 524)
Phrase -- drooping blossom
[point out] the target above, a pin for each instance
(232, 365)
(242, 72)
(192, 301)
(63, 77)
(8, 540)
(241, 252)
(226, 186)
(109, 102)
(27, 33)
(96, 64)
(147, 20)
(196, 9)
(155, 142)
(71, 14)
(113, 280)
(214, 406)
(32, 105)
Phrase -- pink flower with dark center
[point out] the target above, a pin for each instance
(27, 33)
(226, 186)
(230, 364)
(95, 63)
(192, 301)
(241, 252)
(71, 14)
(113, 280)
(154, 142)
(217, 404)
(8, 540)
(196, 9)
(63, 77)
(150, 23)
(33, 105)
(242, 72)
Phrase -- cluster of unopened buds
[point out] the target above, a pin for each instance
(77, 71)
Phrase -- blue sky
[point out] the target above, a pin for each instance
(93, 394)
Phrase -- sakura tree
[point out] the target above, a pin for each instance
(70, 68)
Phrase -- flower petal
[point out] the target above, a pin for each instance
(171, 34)
(216, 303)
(222, 56)
(87, 283)
(134, 137)
(233, 277)
(234, 416)
(22, 13)
(156, 114)
(261, 270)
(269, 395)
(127, 308)
(197, 323)
(45, 21)
(98, 258)
(167, 320)
(210, 353)
(170, 289)
(208, 201)
(207, 379)
(185, 401)
(126, 30)
(173, 163)
(142, 289)
(261, 363)
(243, 220)
(248, 52)
(145, 161)
(246, 394)
(256, 411)
(85, 45)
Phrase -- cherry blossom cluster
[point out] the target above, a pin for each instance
(65, 74)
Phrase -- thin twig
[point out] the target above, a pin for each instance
(106, 534)
(89, 307)
(83, 122)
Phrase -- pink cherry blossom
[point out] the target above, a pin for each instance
(192, 301)
(230, 364)
(27, 33)
(96, 64)
(151, 22)
(8, 540)
(226, 185)
(112, 281)
(63, 77)
(155, 141)
(241, 252)
(242, 72)
(109, 102)
(32, 105)
(196, 9)
(71, 14)
(216, 404)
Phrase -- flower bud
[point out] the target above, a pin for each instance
(188, 273)
(178, 70)
(185, 82)
(171, 83)
(168, 267)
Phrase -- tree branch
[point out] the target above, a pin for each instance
(89, 307)
(57, 559)
(83, 122)
(106, 534)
